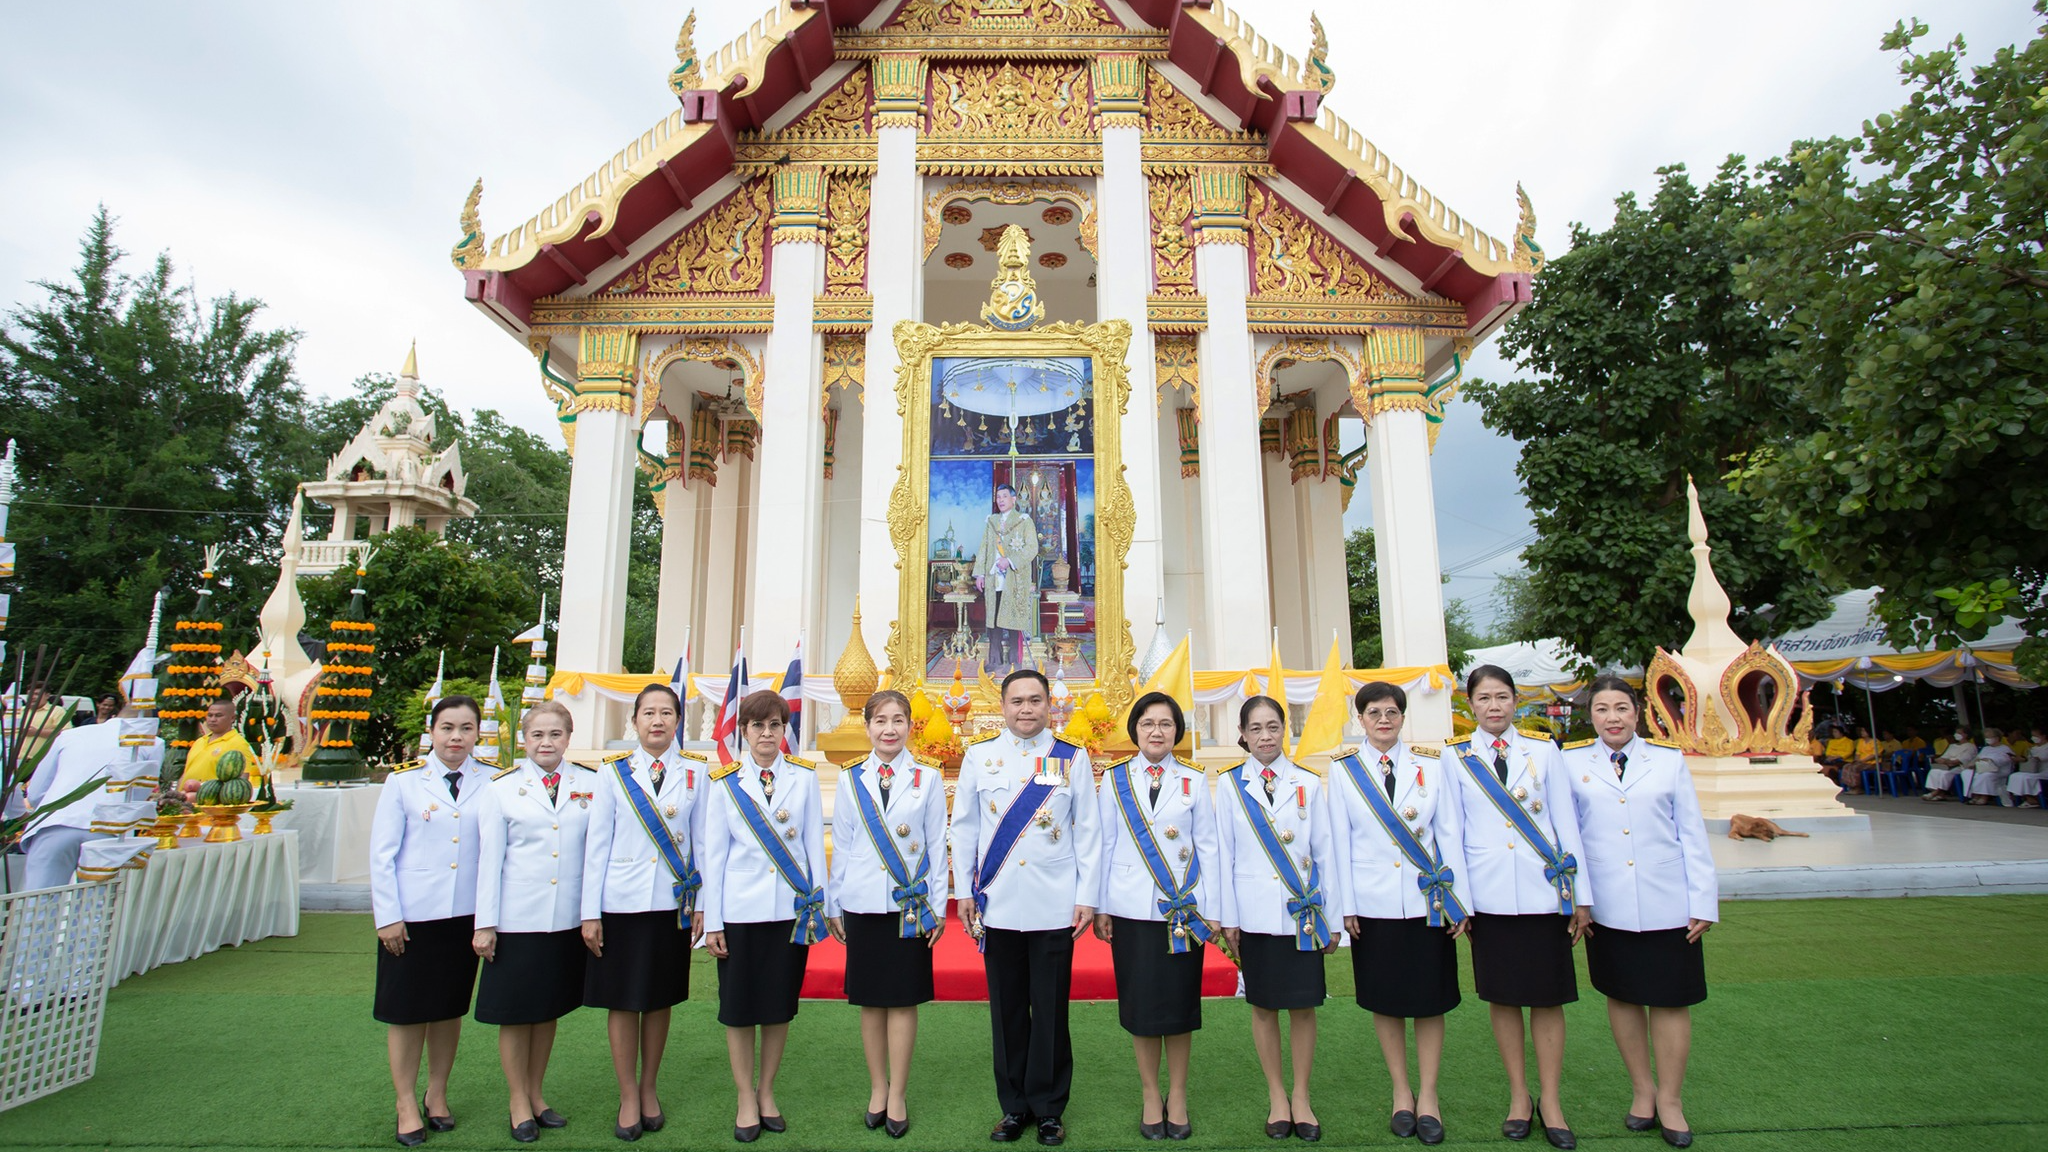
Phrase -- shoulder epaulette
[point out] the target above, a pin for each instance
(409, 765)
(1662, 743)
(1430, 750)
(1310, 769)
(1070, 746)
(699, 757)
(507, 772)
(1341, 753)
(801, 762)
(724, 770)
(1571, 744)
(1119, 760)
(984, 738)
(1236, 766)
(613, 757)
(1534, 733)
(487, 761)
(585, 767)
(929, 761)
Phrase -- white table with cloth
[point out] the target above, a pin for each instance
(334, 830)
(199, 897)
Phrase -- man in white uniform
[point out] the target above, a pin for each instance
(77, 756)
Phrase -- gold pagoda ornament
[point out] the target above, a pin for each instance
(469, 251)
(1013, 303)
(689, 74)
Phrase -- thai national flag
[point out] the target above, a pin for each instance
(793, 695)
(725, 735)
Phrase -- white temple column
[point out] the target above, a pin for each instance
(1232, 500)
(896, 281)
(721, 560)
(1404, 521)
(790, 501)
(600, 528)
(1321, 506)
(675, 599)
(1286, 555)
(1123, 285)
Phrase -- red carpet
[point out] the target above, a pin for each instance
(957, 973)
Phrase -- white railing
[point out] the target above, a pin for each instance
(318, 556)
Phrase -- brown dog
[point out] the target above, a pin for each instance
(1742, 827)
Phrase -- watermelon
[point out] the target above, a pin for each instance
(234, 791)
(232, 765)
(209, 792)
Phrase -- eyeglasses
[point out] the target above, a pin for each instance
(1383, 714)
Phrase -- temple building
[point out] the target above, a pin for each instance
(1035, 325)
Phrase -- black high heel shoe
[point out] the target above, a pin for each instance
(1279, 1129)
(438, 1123)
(896, 1128)
(526, 1131)
(1635, 1123)
(1151, 1131)
(874, 1119)
(1676, 1137)
(653, 1123)
(549, 1118)
(412, 1139)
(774, 1124)
(1560, 1138)
(628, 1132)
(747, 1134)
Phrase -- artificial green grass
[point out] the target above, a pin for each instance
(1864, 1024)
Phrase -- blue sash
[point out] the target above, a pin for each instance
(1559, 867)
(1305, 902)
(1177, 903)
(809, 902)
(1433, 876)
(1022, 808)
(913, 896)
(687, 881)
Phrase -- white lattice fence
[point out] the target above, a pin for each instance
(54, 944)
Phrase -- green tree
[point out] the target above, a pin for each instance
(148, 425)
(1906, 270)
(1645, 366)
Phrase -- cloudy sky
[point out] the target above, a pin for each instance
(316, 156)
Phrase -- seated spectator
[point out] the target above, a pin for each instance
(1995, 763)
(2025, 784)
(1913, 742)
(1958, 757)
(1862, 757)
(1888, 748)
(1834, 760)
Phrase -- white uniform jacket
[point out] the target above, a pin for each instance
(76, 756)
(915, 819)
(1646, 844)
(424, 840)
(622, 869)
(530, 851)
(1503, 873)
(1375, 876)
(1253, 897)
(741, 884)
(1056, 864)
(1183, 826)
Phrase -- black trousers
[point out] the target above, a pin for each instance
(1030, 975)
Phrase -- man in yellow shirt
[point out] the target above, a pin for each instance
(217, 735)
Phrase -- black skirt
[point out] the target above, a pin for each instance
(762, 975)
(1158, 991)
(1279, 975)
(1525, 961)
(537, 977)
(435, 977)
(645, 966)
(1655, 969)
(1404, 967)
(883, 970)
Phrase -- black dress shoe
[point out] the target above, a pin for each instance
(627, 1131)
(412, 1139)
(746, 1135)
(1152, 1131)
(1279, 1129)
(441, 1123)
(526, 1131)
(1635, 1123)
(1560, 1138)
(774, 1124)
(1403, 1123)
(896, 1128)
(1179, 1131)
(874, 1119)
(1514, 1129)
(1676, 1137)
(653, 1123)
(1051, 1132)
(1010, 1127)
(1309, 1132)
(549, 1118)
(1429, 1129)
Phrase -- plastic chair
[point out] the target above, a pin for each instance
(1914, 763)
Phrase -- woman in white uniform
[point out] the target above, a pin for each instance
(764, 901)
(1521, 873)
(1995, 763)
(423, 866)
(1958, 758)
(529, 907)
(2025, 784)
(1399, 836)
(1273, 839)
(640, 891)
(1648, 858)
(1158, 904)
(888, 896)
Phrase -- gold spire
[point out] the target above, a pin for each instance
(469, 252)
(411, 371)
(1712, 639)
(688, 75)
(854, 676)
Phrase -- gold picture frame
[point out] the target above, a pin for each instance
(1106, 344)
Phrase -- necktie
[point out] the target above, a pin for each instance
(1387, 776)
(1500, 759)
(454, 785)
(1620, 763)
(1268, 775)
(655, 773)
(886, 777)
(553, 781)
(1158, 774)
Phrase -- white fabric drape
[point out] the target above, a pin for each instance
(333, 825)
(199, 897)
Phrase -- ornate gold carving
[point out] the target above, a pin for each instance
(724, 250)
(718, 351)
(469, 251)
(842, 313)
(1008, 102)
(846, 250)
(1173, 255)
(1303, 441)
(845, 361)
(556, 316)
(705, 438)
(999, 15)
(1296, 260)
(1009, 158)
(1188, 421)
(1528, 253)
(1013, 301)
(899, 90)
(606, 361)
(1173, 115)
(1333, 453)
(1009, 193)
(1178, 365)
(1762, 726)
(1107, 343)
(1119, 81)
(831, 416)
(689, 74)
(1287, 353)
(1176, 313)
(855, 675)
(992, 238)
(1219, 193)
(841, 114)
(674, 465)
(1352, 317)
(799, 204)
(1316, 69)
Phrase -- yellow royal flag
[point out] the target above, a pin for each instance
(1276, 687)
(1176, 676)
(1323, 731)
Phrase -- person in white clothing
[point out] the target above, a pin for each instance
(640, 913)
(424, 844)
(889, 908)
(1957, 760)
(1399, 832)
(1158, 904)
(1270, 811)
(2025, 784)
(529, 901)
(1520, 870)
(764, 901)
(1649, 860)
(1995, 763)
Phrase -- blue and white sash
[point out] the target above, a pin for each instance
(683, 869)
(1009, 829)
(1177, 902)
(912, 894)
(809, 902)
(1433, 876)
(1305, 901)
(1559, 867)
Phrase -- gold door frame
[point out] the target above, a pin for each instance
(1106, 344)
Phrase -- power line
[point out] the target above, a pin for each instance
(563, 515)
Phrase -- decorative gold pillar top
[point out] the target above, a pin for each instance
(1119, 80)
(899, 90)
(605, 369)
(1220, 205)
(799, 204)
(1013, 302)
